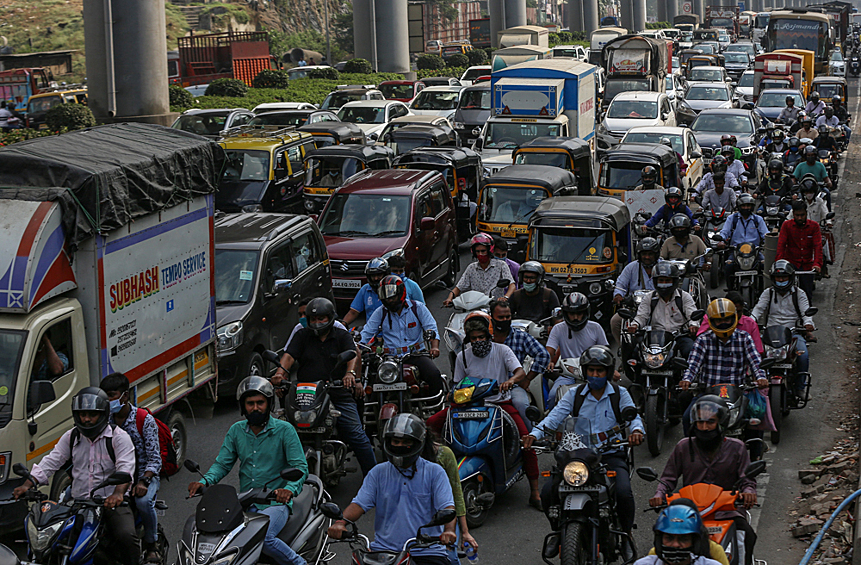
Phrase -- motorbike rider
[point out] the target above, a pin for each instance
(777, 143)
(572, 338)
(718, 167)
(405, 492)
(637, 275)
(707, 456)
(683, 244)
(790, 113)
(770, 128)
(673, 205)
(88, 445)
(828, 118)
(302, 308)
(807, 128)
(800, 243)
(817, 209)
(793, 154)
(401, 325)
(745, 323)
(596, 406)
(793, 129)
(649, 179)
(533, 300)
(397, 267)
(842, 115)
(742, 226)
(825, 142)
(783, 305)
(734, 166)
(500, 251)
(316, 349)
(731, 140)
(367, 299)
(484, 274)
(718, 196)
(776, 183)
(812, 165)
(678, 540)
(264, 446)
(143, 431)
(815, 106)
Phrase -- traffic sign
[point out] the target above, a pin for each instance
(687, 7)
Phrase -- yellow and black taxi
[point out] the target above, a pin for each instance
(621, 167)
(264, 171)
(328, 168)
(39, 104)
(569, 153)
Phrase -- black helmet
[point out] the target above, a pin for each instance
(829, 111)
(824, 130)
(393, 292)
(649, 174)
(836, 99)
(790, 99)
(531, 267)
(728, 151)
(674, 192)
(598, 355)
(377, 268)
(782, 267)
(793, 142)
(718, 163)
(320, 307)
(91, 399)
(811, 150)
(648, 245)
(576, 303)
(404, 426)
(666, 269)
(778, 136)
(253, 385)
(680, 224)
(814, 97)
(746, 201)
(707, 406)
(775, 166)
(809, 184)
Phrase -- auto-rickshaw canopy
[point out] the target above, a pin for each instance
(334, 133)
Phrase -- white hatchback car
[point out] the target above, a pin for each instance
(436, 101)
(638, 108)
(372, 115)
(684, 143)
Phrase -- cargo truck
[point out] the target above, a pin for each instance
(634, 62)
(552, 97)
(522, 35)
(106, 255)
(723, 17)
(777, 70)
(599, 38)
(234, 54)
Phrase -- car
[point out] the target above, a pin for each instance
(436, 101)
(837, 66)
(686, 40)
(672, 33)
(372, 115)
(708, 74)
(703, 95)
(400, 90)
(710, 125)
(277, 106)
(197, 89)
(262, 262)
(293, 118)
(441, 81)
(380, 213)
(574, 51)
(302, 72)
(676, 64)
(348, 93)
(735, 63)
(433, 46)
(771, 101)
(707, 47)
(212, 123)
(724, 39)
(638, 108)
(38, 105)
(413, 120)
(684, 143)
(745, 87)
(742, 47)
(473, 109)
(471, 75)
(653, 33)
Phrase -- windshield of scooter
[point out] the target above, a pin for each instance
(576, 433)
(11, 345)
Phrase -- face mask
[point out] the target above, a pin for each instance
(257, 418)
(530, 287)
(793, 149)
(481, 348)
(708, 440)
(116, 406)
(665, 289)
(745, 211)
(781, 285)
(676, 555)
(304, 321)
(596, 383)
(483, 259)
(503, 326)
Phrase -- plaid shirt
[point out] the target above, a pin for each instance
(723, 363)
(523, 345)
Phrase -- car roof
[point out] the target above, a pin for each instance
(391, 181)
(637, 95)
(546, 176)
(732, 111)
(284, 105)
(420, 119)
(606, 209)
(215, 111)
(786, 91)
(254, 229)
(370, 103)
(712, 67)
(341, 128)
(443, 88)
(362, 152)
(409, 82)
(659, 129)
(573, 144)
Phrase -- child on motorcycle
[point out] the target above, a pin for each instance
(714, 551)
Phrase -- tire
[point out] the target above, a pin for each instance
(574, 545)
(176, 423)
(255, 366)
(475, 516)
(654, 425)
(452, 358)
(450, 277)
(714, 275)
(776, 412)
(62, 480)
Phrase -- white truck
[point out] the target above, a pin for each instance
(106, 265)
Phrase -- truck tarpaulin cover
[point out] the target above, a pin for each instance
(107, 176)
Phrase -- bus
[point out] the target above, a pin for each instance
(760, 23)
(799, 29)
(18, 85)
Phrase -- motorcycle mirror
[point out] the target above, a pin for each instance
(503, 283)
(533, 413)
(113, 480)
(709, 252)
(191, 465)
(755, 468)
(271, 356)
(767, 363)
(679, 363)
(629, 413)
(292, 474)
(330, 510)
(647, 474)
(485, 499)
(811, 311)
(345, 357)
(444, 516)
(557, 312)
(20, 469)
(698, 314)
(646, 215)
(829, 215)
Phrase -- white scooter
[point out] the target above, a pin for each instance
(464, 304)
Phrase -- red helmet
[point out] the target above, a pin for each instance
(392, 292)
(481, 239)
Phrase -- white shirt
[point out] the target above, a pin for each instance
(666, 315)
(591, 334)
(654, 560)
(817, 209)
(781, 311)
(498, 364)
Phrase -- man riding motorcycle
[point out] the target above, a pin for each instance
(742, 226)
(825, 142)
(734, 166)
(683, 244)
(828, 118)
(790, 113)
(718, 167)
(793, 155)
(776, 183)
(672, 205)
(637, 275)
(815, 106)
(800, 243)
(842, 115)
(533, 300)
(649, 179)
(367, 299)
(719, 196)
(807, 129)
(777, 144)
(812, 165)
(484, 274)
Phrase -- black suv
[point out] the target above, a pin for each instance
(264, 264)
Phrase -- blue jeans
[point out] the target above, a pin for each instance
(803, 362)
(282, 553)
(146, 508)
(847, 131)
(559, 382)
(520, 399)
(349, 426)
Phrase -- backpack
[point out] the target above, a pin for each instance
(654, 303)
(166, 446)
(615, 397)
(794, 303)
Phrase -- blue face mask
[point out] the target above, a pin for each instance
(116, 406)
(530, 287)
(304, 321)
(596, 383)
(780, 284)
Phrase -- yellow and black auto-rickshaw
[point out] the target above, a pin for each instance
(569, 153)
(328, 168)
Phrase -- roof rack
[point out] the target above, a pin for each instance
(259, 131)
(356, 87)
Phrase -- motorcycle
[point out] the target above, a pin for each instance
(485, 441)
(773, 212)
(748, 274)
(711, 501)
(628, 347)
(738, 418)
(714, 220)
(829, 160)
(585, 519)
(464, 304)
(855, 66)
(693, 281)
(222, 530)
(309, 408)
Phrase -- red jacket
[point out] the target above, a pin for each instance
(801, 246)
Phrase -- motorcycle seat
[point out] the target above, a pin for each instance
(302, 506)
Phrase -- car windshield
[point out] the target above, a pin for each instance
(706, 48)
(726, 123)
(235, 272)
(746, 81)
(616, 86)
(555, 159)
(633, 109)
(836, 56)
(45, 103)
(472, 74)
(201, 124)
(475, 100)
(402, 91)
(777, 100)
(363, 114)
(654, 138)
(731, 57)
(567, 245)
(366, 215)
(508, 204)
(435, 100)
(246, 165)
(739, 48)
(686, 36)
(706, 74)
(337, 99)
(722, 22)
(11, 347)
(279, 119)
(718, 93)
(330, 172)
(400, 144)
(508, 135)
(621, 175)
(564, 52)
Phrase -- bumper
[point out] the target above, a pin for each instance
(231, 369)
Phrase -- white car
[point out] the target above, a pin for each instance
(436, 101)
(574, 51)
(372, 115)
(837, 66)
(684, 143)
(724, 39)
(706, 95)
(472, 74)
(348, 93)
(302, 72)
(638, 108)
(745, 87)
(276, 106)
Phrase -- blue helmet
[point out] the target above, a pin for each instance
(680, 519)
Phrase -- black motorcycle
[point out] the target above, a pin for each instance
(713, 222)
(855, 66)
(748, 274)
(773, 212)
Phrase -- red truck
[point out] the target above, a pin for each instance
(204, 58)
(724, 17)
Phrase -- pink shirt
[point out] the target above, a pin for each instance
(745, 323)
(91, 463)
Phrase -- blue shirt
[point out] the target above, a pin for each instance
(523, 345)
(401, 332)
(367, 301)
(404, 505)
(664, 214)
(414, 291)
(737, 230)
(629, 280)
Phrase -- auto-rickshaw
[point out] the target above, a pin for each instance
(334, 133)
(569, 153)
(411, 137)
(328, 168)
(583, 242)
(620, 172)
(686, 54)
(510, 196)
(703, 61)
(462, 170)
(830, 86)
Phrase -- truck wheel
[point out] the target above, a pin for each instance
(62, 480)
(176, 423)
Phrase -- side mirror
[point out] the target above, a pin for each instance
(625, 313)
(191, 465)
(680, 363)
(710, 252)
(345, 357)
(292, 474)
(427, 224)
(479, 143)
(503, 283)
(281, 173)
(444, 516)
(21, 470)
(557, 312)
(374, 136)
(811, 311)
(647, 474)
(330, 510)
(755, 468)
(766, 363)
(271, 356)
(696, 154)
(698, 314)
(629, 413)
(281, 285)
(532, 412)
(41, 392)
(829, 215)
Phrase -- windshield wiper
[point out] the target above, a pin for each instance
(351, 232)
(222, 302)
(389, 232)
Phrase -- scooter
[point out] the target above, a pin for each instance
(464, 304)
(539, 389)
(223, 531)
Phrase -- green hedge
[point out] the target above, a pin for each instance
(179, 96)
(16, 135)
(360, 66)
(69, 116)
(455, 72)
(429, 61)
(269, 78)
(231, 87)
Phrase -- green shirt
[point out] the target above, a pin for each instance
(261, 457)
(445, 457)
(818, 170)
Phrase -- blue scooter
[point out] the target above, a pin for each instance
(485, 441)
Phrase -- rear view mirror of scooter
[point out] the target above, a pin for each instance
(442, 517)
(192, 466)
(345, 357)
(21, 470)
(533, 413)
(503, 283)
(811, 311)
(647, 474)
(629, 413)
(291, 474)
(272, 357)
(332, 511)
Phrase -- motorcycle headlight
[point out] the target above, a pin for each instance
(576, 473)
(229, 337)
(463, 395)
(778, 353)
(595, 288)
(226, 559)
(40, 540)
(388, 372)
(771, 210)
(746, 263)
(653, 360)
(301, 417)
(309, 205)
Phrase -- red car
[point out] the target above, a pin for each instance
(380, 213)
(402, 90)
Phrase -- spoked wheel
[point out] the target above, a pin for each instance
(475, 513)
(776, 413)
(574, 545)
(654, 423)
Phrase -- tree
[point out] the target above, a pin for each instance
(341, 30)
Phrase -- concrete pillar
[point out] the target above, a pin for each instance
(699, 8)
(672, 9)
(575, 15)
(362, 29)
(393, 38)
(661, 14)
(590, 16)
(496, 11)
(133, 60)
(627, 14)
(639, 22)
(515, 13)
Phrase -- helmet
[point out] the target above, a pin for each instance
(320, 307)
(481, 239)
(707, 406)
(680, 223)
(679, 520)
(775, 166)
(478, 321)
(836, 99)
(728, 151)
(726, 139)
(649, 175)
(793, 142)
(809, 184)
(829, 111)
(790, 99)
(378, 267)
(531, 267)
(675, 193)
(91, 399)
(404, 426)
(393, 292)
(645, 245)
(666, 270)
(805, 119)
(824, 130)
(720, 311)
(251, 386)
(778, 136)
(745, 199)
(810, 150)
(718, 163)
(782, 268)
(814, 96)
(598, 355)
(576, 303)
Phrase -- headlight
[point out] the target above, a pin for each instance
(229, 336)
(746, 263)
(393, 252)
(747, 150)
(595, 288)
(252, 208)
(771, 210)
(463, 395)
(576, 473)
(653, 360)
(388, 372)
(777, 353)
(459, 125)
(306, 417)
(309, 205)
(40, 540)
(227, 559)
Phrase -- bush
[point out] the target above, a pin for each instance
(455, 72)
(230, 87)
(477, 57)
(180, 96)
(457, 60)
(360, 66)
(429, 61)
(69, 116)
(329, 73)
(269, 78)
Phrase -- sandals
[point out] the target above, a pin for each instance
(536, 503)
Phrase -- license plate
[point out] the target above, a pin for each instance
(471, 415)
(782, 366)
(745, 273)
(510, 234)
(659, 373)
(714, 530)
(313, 430)
(346, 283)
(205, 548)
(386, 388)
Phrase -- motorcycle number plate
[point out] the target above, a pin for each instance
(471, 415)
(782, 366)
(714, 530)
(313, 430)
(205, 548)
(380, 387)
(745, 273)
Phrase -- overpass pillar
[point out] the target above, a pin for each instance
(590, 16)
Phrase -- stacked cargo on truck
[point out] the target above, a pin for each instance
(634, 62)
